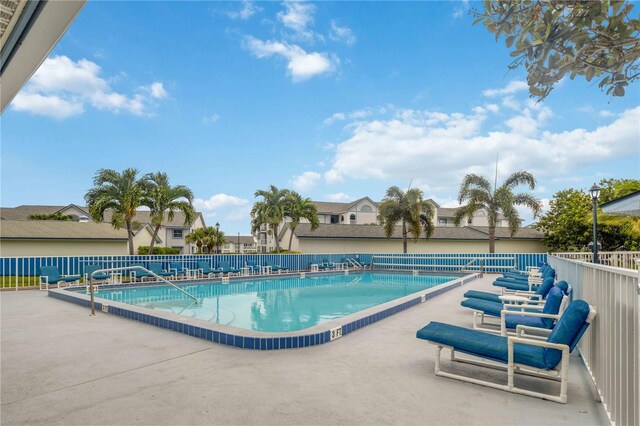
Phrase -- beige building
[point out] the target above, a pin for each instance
(20, 235)
(243, 244)
(364, 211)
(371, 239)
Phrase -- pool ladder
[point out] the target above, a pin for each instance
(130, 268)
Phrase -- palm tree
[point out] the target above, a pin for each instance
(120, 192)
(197, 237)
(161, 197)
(213, 238)
(270, 211)
(298, 208)
(480, 195)
(411, 209)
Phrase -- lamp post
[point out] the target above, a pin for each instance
(238, 248)
(594, 191)
(217, 238)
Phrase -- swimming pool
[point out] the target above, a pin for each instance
(291, 311)
(279, 304)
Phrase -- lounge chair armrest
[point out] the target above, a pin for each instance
(528, 314)
(520, 328)
(519, 308)
(534, 342)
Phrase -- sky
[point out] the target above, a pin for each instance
(336, 100)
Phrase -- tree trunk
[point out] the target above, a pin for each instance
(492, 238)
(153, 240)
(404, 237)
(275, 237)
(293, 228)
(130, 236)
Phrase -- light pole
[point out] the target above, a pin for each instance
(238, 248)
(217, 238)
(594, 191)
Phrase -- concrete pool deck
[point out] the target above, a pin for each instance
(60, 366)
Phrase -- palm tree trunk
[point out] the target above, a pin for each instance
(293, 228)
(492, 238)
(153, 241)
(130, 236)
(275, 236)
(404, 237)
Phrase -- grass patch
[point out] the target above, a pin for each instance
(10, 281)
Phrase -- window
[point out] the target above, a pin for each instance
(442, 222)
(469, 221)
(342, 218)
(177, 233)
(334, 219)
(352, 219)
(366, 209)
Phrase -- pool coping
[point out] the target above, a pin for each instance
(249, 339)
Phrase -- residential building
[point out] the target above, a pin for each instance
(364, 211)
(329, 238)
(20, 235)
(243, 244)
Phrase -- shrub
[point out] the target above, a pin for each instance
(143, 250)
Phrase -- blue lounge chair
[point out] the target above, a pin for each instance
(540, 293)
(550, 310)
(544, 359)
(326, 265)
(50, 275)
(276, 268)
(224, 268)
(253, 267)
(204, 268)
(156, 268)
(139, 274)
(99, 277)
(518, 283)
(178, 270)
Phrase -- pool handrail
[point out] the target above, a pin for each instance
(128, 268)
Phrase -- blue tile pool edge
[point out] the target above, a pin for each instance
(265, 341)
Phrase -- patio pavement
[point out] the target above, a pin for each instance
(60, 366)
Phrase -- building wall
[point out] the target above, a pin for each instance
(62, 247)
(318, 245)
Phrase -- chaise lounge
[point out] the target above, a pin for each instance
(547, 359)
(50, 275)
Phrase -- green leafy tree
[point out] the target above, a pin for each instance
(410, 209)
(552, 39)
(122, 193)
(213, 238)
(617, 232)
(297, 209)
(269, 211)
(197, 237)
(565, 225)
(163, 198)
(479, 194)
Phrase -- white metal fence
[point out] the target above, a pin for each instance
(611, 350)
(619, 259)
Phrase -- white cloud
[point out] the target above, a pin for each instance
(511, 102)
(301, 65)
(247, 11)
(61, 88)
(438, 149)
(604, 113)
(210, 119)
(461, 10)
(157, 90)
(338, 33)
(306, 181)
(297, 16)
(511, 88)
(338, 116)
(224, 206)
(339, 197)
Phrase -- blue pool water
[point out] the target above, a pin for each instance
(280, 304)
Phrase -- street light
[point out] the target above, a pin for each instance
(594, 191)
(238, 247)
(217, 238)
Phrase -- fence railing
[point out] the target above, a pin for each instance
(611, 348)
(22, 272)
(618, 259)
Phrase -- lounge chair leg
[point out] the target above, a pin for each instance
(564, 375)
(510, 366)
(438, 351)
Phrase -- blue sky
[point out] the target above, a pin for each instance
(335, 100)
